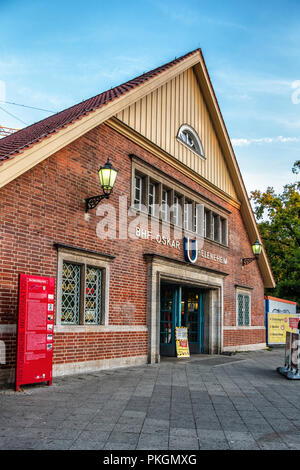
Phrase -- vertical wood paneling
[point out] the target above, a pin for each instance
(159, 115)
(163, 116)
(158, 122)
(168, 118)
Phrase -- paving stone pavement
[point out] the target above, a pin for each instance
(207, 402)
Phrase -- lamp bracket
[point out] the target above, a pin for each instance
(246, 261)
(92, 202)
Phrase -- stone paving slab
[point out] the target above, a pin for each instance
(205, 402)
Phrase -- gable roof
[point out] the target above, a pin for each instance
(26, 148)
(22, 139)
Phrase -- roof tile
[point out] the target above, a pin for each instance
(17, 142)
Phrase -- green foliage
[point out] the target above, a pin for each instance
(278, 217)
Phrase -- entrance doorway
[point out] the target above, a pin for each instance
(181, 306)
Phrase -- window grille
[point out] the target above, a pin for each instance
(243, 309)
(71, 278)
(93, 295)
(189, 137)
(81, 294)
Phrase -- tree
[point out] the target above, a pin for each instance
(278, 217)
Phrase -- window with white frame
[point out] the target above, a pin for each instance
(152, 197)
(138, 191)
(150, 191)
(189, 137)
(243, 308)
(165, 204)
(216, 227)
(188, 215)
(198, 221)
(207, 223)
(177, 211)
(224, 236)
(195, 219)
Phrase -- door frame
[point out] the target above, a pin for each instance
(160, 269)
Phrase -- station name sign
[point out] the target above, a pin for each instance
(190, 247)
(161, 239)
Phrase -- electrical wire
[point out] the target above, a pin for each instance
(12, 115)
(26, 106)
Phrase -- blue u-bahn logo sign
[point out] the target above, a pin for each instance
(190, 250)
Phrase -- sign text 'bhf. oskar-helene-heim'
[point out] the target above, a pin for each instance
(190, 247)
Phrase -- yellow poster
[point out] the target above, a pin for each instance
(182, 343)
(278, 324)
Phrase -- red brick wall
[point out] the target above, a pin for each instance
(242, 337)
(46, 206)
(77, 347)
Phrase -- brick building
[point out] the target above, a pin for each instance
(124, 274)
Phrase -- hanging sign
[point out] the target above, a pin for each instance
(35, 330)
(182, 343)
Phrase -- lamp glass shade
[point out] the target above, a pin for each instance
(107, 176)
(256, 248)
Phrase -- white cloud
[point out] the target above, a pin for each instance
(264, 140)
(189, 16)
(262, 180)
(249, 84)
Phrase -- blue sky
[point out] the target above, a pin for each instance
(54, 54)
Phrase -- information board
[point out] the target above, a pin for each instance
(35, 330)
(182, 344)
(278, 325)
(291, 369)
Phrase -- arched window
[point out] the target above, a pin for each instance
(189, 137)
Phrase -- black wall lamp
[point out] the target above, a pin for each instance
(107, 176)
(256, 248)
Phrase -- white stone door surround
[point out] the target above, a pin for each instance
(161, 268)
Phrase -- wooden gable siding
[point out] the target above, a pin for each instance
(159, 115)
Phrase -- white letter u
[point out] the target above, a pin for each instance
(191, 258)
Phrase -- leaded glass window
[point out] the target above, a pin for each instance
(243, 309)
(81, 300)
(70, 308)
(93, 295)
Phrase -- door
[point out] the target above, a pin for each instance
(168, 319)
(181, 306)
(192, 316)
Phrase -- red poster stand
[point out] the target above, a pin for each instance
(35, 330)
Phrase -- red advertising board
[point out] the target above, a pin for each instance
(35, 330)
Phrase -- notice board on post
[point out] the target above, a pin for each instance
(182, 343)
(278, 324)
(35, 330)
